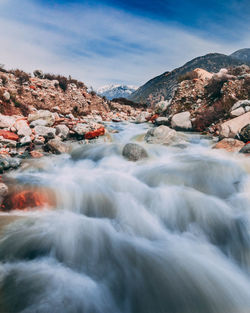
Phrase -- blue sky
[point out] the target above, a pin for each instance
(113, 41)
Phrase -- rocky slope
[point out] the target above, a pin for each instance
(162, 87)
(213, 103)
(116, 91)
(45, 113)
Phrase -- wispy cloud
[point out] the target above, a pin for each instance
(98, 44)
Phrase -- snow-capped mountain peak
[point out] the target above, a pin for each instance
(116, 91)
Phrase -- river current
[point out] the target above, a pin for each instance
(168, 234)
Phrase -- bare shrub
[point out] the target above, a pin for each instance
(187, 76)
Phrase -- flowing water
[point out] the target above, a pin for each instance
(169, 234)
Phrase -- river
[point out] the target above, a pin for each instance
(168, 234)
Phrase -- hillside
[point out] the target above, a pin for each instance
(163, 86)
(242, 54)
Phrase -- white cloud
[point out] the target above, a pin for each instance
(97, 45)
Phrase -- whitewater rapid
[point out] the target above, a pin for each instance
(168, 234)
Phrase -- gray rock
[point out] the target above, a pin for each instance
(237, 112)
(162, 106)
(231, 128)
(25, 141)
(245, 133)
(56, 146)
(46, 132)
(38, 123)
(162, 121)
(22, 128)
(38, 73)
(6, 95)
(240, 103)
(81, 129)
(134, 152)
(42, 115)
(161, 135)
(141, 118)
(3, 190)
(6, 121)
(181, 121)
(245, 149)
(7, 142)
(62, 131)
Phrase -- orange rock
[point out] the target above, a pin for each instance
(32, 87)
(152, 118)
(95, 133)
(27, 199)
(8, 135)
(229, 144)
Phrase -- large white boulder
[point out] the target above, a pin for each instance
(232, 127)
(181, 121)
(6, 121)
(45, 115)
(161, 135)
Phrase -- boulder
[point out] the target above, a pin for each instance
(38, 74)
(25, 140)
(181, 121)
(233, 127)
(134, 152)
(229, 144)
(46, 132)
(237, 112)
(203, 74)
(240, 103)
(9, 135)
(95, 133)
(3, 190)
(6, 96)
(81, 129)
(162, 106)
(6, 121)
(162, 121)
(56, 146)
(62, 131)
(245, 133)
(245, 149)
(38, 123)
(161, 135)
(42, 115)
(22, 128)
(142, 117)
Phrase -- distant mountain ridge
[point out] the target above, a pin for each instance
(116, 91)
(162, 87)
(242, 54)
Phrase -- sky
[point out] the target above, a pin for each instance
(112, 41)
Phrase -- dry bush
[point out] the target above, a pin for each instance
(187, 76)
(22, 76)
(4, 79)
(64, 81)
(213, 88)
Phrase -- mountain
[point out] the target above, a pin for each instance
(242, 54)
(116, 91)
(163, 86)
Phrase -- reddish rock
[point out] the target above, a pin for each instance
(229, 144)
(152, 118)
(32, 87)
(8, 135)
(95, 133)
(27, 199)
